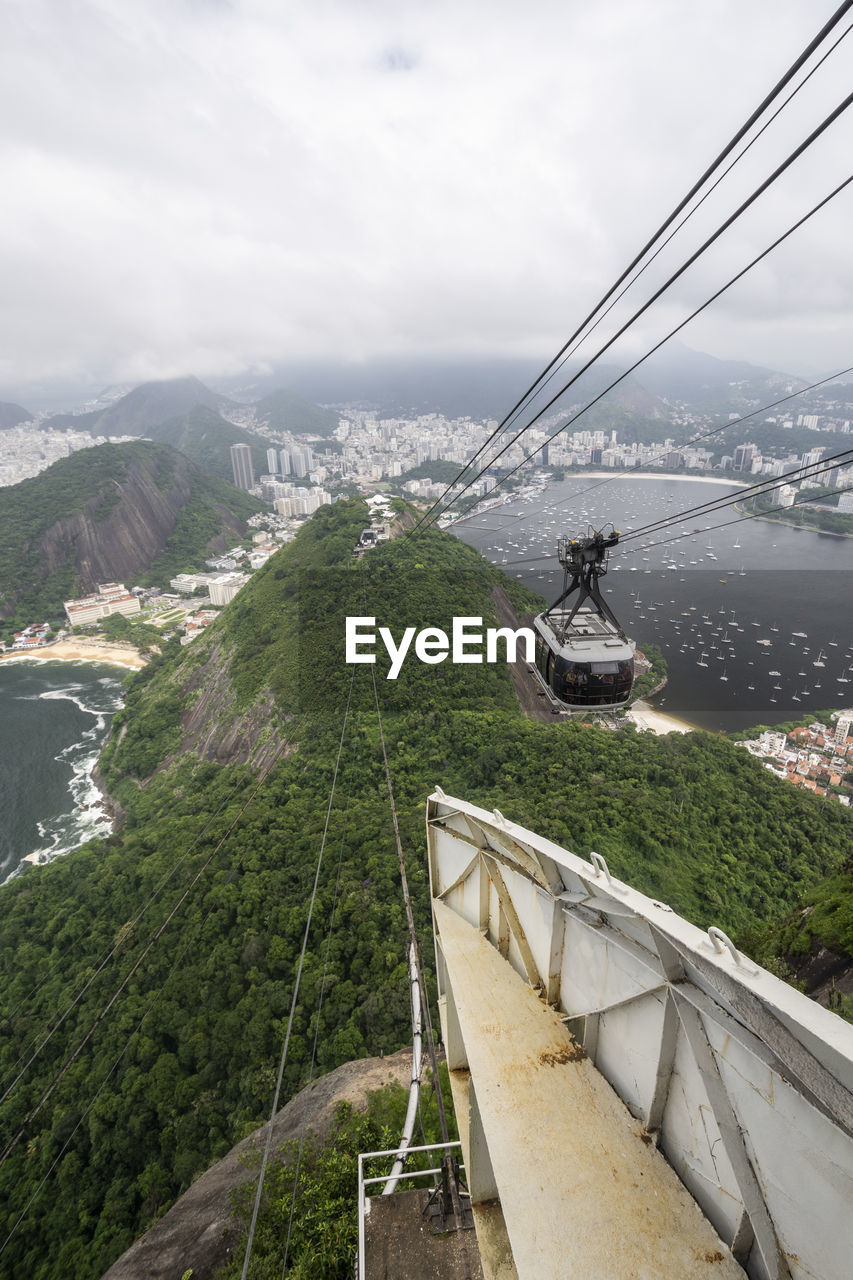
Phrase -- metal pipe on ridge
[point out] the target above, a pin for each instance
(414, 1088)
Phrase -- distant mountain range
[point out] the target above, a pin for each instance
(143, 408)
(283, 410)
(206, 438)
(12, 415)
(193, 417)
(487, 388)
(187, 415)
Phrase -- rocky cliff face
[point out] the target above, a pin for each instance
(106, 544)
(213, 729)
(120, 527)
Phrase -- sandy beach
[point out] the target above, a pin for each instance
(646, 717)
(655, 475)
(116, 655)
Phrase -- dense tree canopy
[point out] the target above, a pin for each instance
(149, 975)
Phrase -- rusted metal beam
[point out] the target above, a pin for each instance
(508, 911)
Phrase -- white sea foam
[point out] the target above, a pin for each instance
(87, 817)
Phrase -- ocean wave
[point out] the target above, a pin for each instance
(109, 703)
(86, 817)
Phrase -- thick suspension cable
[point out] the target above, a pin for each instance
(629, 284)
(767, 485)
(416, 960)
(302, 1127)
(686, 444)
(741, 133)
(726, 524)
(293, 1002)
(836, 191)
(410, 919)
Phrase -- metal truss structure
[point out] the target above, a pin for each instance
(607, 1058)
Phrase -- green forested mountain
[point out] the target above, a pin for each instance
(206, 438)
(12, 415)
(160, 962)
(145, 407)
(813, 945)
(286, 411)
(115, 512)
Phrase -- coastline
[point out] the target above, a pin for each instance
(90, 676)
(115, 655)
(789, 524)
(612, 474)
(621, 474)
(645, 716)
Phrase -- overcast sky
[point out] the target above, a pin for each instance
(209, 186)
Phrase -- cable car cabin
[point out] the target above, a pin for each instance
(584, 660)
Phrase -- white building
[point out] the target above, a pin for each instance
(785, 495)
(309, 501)
(241, 465)
(187, 583)
(111, 597)
(225, 587)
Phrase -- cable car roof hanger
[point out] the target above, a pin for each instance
(584, 561)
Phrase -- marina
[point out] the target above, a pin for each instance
(753, 620)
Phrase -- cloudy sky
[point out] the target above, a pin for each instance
(211, 186)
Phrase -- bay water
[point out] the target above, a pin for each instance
(754, 618)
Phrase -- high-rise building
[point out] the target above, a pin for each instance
(303, 460)
(272, 461)
(224, 588)
(744, 453)
(241, 465)
(784, 496)
(285, 462)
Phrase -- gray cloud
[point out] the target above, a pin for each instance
(205, 186)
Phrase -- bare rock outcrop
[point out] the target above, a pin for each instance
(211, 727)
(200, 1229)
